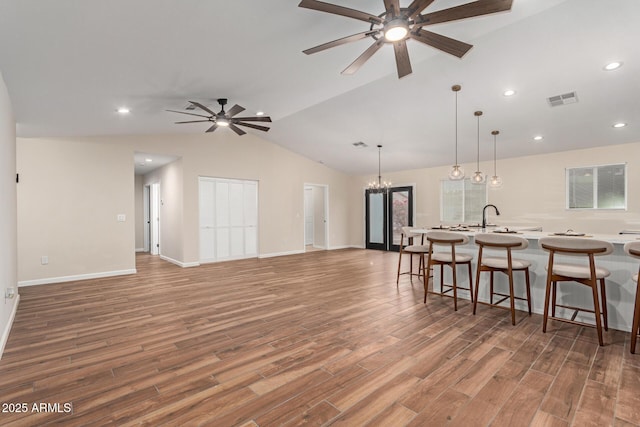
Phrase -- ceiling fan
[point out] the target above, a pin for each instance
(398, 24)
(225, 118)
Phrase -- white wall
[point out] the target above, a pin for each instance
(69, 197)
(533, 192)
(8, 215)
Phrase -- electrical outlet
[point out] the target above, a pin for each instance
(44, 260)
(9, 293)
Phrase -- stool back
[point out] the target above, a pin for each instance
(446, 238)
(632, 249)
(501, 241)
(576, 246)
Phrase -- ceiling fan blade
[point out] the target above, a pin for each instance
(355, 65)
(254, 119)
(212, 128)
(417, 6)
(236, 129)
(392, 6)
(340, 10)
(402, 58)
(251, 125)
(338, 42)
(468, 10)
(235, 110)
(443, 43)
(191, 114)
(193, 121)
(197, 104)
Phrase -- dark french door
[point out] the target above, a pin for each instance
(385, 215)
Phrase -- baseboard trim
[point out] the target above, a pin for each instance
(180, 263)
(276, 254)
(140, 250)
(7, 328)
(332, 248)
(77, 277)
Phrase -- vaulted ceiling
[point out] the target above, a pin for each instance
(69, 65)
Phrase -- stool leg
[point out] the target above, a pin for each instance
(441, 278)
(603, 293)
(425, 276)
(553, 299)
(546, 303)
(399, 265)
(470, 282)
(596, 307)
(411, 267)
(455, 287)
(491, 287)
(636, 321)
(528, 283)
(511, 299)
(475, 300)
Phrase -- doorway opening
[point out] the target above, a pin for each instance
(151, 195)
(316, 203)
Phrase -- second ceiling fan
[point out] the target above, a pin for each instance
(396, 25)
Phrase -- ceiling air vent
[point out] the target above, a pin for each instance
(360, 144)
(565, 98)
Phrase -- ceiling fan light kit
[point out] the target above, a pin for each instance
(225, 118)
(396, 25)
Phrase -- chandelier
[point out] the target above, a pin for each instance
(379, 186)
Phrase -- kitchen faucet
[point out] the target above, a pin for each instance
(484, 215)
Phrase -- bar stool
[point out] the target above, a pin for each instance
(412, 250)
(586, 274)
(504, 264)
(633, 249)
(451, 258)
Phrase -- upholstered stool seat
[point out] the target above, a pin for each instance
(587, 274)
(506, 264)
(447, 240)
(633, 249)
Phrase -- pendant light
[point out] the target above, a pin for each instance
(496, 181)
(379, 186)
(478, 177)
(456, 173)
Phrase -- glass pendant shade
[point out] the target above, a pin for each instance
(495, 181)
(457, 172)
(478, 177)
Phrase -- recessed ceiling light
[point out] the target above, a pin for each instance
(538, 138)
(123, 110)
(619, 125)
(148, 160)
(509, 92)
(612, 66)
(260, 113)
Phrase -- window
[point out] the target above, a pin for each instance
(597, 187)
(462, 201)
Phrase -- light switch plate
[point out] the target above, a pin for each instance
(122, 217)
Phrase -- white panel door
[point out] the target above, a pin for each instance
(308, 216)
(228, 219)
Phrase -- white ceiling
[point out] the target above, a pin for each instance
(70, 64)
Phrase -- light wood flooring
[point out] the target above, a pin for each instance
(323, 338)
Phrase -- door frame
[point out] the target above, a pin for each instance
(388, 229)
(155, 201)
(398, 189)
(325, 214)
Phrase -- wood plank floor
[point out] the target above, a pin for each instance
(322, 338)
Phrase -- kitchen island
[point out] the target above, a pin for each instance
(621, 289)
